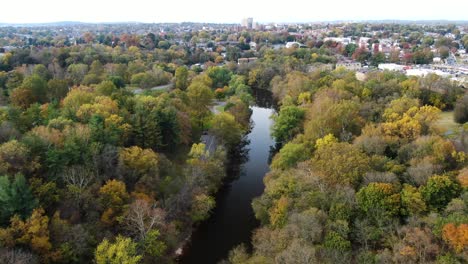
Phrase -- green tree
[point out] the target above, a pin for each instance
(220, 76)
(288, 123)
(77, 72)
(122, 251)
(201, 207)
(461, 110)
(181, 76)
(289, 155)
(57, 89)
(37, 86)
(225, 128)
(15, 198)
(153, 245)
(439, 191)
(377, 197)
(200, 101)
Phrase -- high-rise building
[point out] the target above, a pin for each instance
(247, 23)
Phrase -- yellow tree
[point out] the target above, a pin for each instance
(114, 197)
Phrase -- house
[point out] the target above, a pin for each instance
(351, 66)
(319, 66)
(243, 61)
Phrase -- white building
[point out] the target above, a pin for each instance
(424, 72)
(391, 67)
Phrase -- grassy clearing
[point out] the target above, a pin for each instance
(448, 125)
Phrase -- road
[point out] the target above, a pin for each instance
(156, 88)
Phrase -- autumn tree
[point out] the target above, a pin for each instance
(456, 236)
(226, 129)
(136, 163)
(113, 197)
(122, 251)
(378, 198)
(340, 163)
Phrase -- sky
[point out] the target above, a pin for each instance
(155, 11)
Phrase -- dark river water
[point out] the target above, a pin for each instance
(232, 221)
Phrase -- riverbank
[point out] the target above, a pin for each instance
(232, 220)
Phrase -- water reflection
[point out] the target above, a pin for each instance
(233, 220)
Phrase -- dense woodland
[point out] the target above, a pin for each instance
(94, 170)
(364, 174)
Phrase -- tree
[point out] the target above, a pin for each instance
(41, 71)
(226, 129)
(21, 97)
(142, 218)
(113, 196)
(201, 207)
(279, 212)
(136, 162)
(287, 123)
(333, 115)
(456, 236)
(34, 232)
(289, 155)
(57, 89)
(417, 246)
(38, 88)
(411, 201)
(106, 88)
(377, 197)
(200, 96)
(122, 251)
(439, 191)
(17, 256)
(181, 76)
(377, 58)
(340, 163)
(15, 198)
(461, 110)
(16, 157)
(77, 72)
(153, 245)
(219, 75)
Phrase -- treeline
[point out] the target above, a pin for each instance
(364, 174)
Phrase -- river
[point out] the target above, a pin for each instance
(232, 221)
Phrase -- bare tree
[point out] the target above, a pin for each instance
(17, 256)
(142, 217)
(77, 179)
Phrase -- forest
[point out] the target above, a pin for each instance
(99, 164)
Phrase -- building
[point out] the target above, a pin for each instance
(391, 67)
(247, 23)
(351, 66)
(246, 60)
(294, 44)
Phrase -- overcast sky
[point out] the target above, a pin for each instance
(33, 11)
